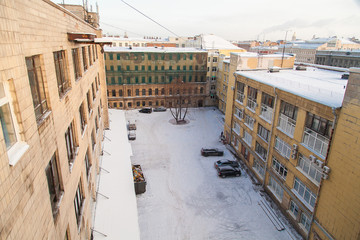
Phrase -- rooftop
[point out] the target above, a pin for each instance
(210, 41)
(152, 49)
(254, 54)
(318, 85)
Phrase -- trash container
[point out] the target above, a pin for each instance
(139, 179)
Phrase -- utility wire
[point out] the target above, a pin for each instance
(150, 18)
(120, 28)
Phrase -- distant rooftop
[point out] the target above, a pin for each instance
(210, 41)
(127, 39)
(318, 85)
(254, 54)
(151, 49)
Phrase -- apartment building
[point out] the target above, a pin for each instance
(338, 58)
(282, 123)
(150, 77)
(338, 210)
(222, 82)
(53, 114)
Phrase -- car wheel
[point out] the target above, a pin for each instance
(238, 175)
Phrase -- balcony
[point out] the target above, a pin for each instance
(266, 113)
(287, 125)
(316, 142)
(240, 97)
(251, 104)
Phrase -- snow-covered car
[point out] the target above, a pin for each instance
(131, 136)
(211, 152)
(228, 170)
(226, 162)
(145, 110)
(159, 109)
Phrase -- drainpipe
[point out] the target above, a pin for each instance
(232, 108)
(318, 192)
(271, 132)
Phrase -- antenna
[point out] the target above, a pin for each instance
(282, 58)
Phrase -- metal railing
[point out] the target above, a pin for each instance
(287, 125)
(266, 112)
(316, 141)
(251, 104)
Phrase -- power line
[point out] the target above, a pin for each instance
(150, 18)
(120, 28)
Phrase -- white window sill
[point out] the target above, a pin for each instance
(16, 152)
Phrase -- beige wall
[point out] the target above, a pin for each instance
(39, 28)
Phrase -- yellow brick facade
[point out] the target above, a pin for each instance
(265, 139)
(35, 30)
(146, 78)
(337, 215)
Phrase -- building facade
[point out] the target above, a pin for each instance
(283, 134)
(147, 77)
(339, 58)
(338, 210)
(53, 114)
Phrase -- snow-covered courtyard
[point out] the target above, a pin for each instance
(184, 198)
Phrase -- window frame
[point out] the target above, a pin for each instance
(61, 72)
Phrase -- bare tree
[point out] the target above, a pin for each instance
(180, 107)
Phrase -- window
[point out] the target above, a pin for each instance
(247, 138)
(261, 151)
(150, 91)
(89, 103)
(149, 68)
(118, 56)
(213, 69)
(252, 95)
(37, 86)
(89, 51)
(245, 152)
(156, 91)
(310, 169)
(53, 179)
(118, 68)
(288, 110)
(97, 121)
(162, 91)
(76, 62)
(304, 193)
(282, 147)
(143, 92)
(275, 187)
(214, 59)
(93, 140)
(263, 133)
(111, 57)
(93, 90)
(236, 128)
(240, 92)
(279, 168)
(129, 92)
(87, 165)
(294, 209)
(82, 118)
(259, 168)
(178, 67)
(6, 118)
(70, 144)
(85, 63)
(137, 92)
(78, 203)
(61, 72)
(267, 105)
(305, 221)
(249, 121)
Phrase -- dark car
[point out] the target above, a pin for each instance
(159, 109)
(211, 152)
(228, 170)
(145, 110)
(226, 162)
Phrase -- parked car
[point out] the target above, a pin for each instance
(159, 109)
(228, 170)
(226, 162)
(145, 110)
(131, 136)
(211, 152)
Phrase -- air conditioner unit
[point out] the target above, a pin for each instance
(312, 158)
(326, 169)
(293, 156)
(320, 163)
(294, 151)
(324, 176)
(295, 147)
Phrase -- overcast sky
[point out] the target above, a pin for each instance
(231, 19)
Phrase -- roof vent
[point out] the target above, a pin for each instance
(345, 76)
(274, 69)
(301, 68)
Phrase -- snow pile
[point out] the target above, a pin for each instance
(210, 41)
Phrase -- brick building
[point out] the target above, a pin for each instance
(53, 114)
(145, 77)
(281, 127)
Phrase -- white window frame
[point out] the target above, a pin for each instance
(247, 138)
(239, 113)
(301, 191)
(282, 147)
(18, 148)
(276, 188)
(309, 169)
(279, 168)
(237, 128)
(249, 121)
(259, 169)
(293, 209)
(305, 222)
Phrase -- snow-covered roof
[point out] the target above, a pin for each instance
(255, 55)
(210, 41)
(113, 39)
(318, 85)
(152, 49)
(346, 41)
(302, 45)
(226, 61)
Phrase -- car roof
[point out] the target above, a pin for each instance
(227, 167)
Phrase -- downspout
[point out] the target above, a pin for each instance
(318, 192)
(232, 108)
(271, 132)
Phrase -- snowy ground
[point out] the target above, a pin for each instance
(185, 199)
